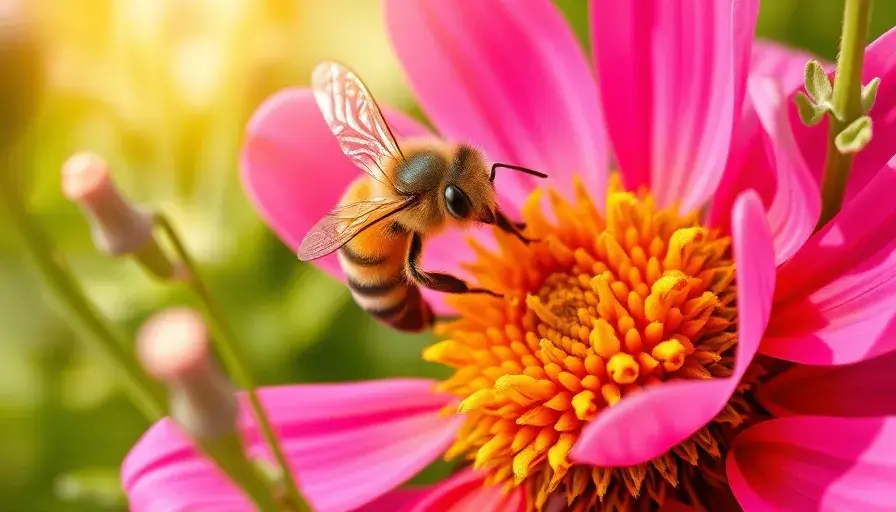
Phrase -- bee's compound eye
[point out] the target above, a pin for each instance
(458, 203)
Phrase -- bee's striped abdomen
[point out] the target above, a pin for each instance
(412, 314)
(361, 260)
(374, 263)
(381, 288)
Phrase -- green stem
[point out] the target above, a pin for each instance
(847, 104)
(229, 350)
(148, 396)
(228, 453)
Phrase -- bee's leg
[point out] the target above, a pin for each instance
(514, 228)
(437, 281)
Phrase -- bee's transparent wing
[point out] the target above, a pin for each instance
(355, 119)
(343, 222)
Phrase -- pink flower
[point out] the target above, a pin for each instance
(624, 366)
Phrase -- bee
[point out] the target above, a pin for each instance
(407, 194)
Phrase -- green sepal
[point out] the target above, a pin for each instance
(817, 83)
(810, 114)
(855, 136)
(869, 94)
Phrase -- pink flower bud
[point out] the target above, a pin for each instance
(173, 347)
(117, 226)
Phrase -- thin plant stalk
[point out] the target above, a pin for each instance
(229, 350)
(847, 103)
(148, 396)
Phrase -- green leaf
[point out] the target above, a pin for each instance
(855, 136)
(817, 84)
(810, 113)
(869, 94)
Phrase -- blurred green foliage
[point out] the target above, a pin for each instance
(162, 89)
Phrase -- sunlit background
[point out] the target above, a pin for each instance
(162, 89)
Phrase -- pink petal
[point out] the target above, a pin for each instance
(750, 165)
(836, 299)
(815, 463)
(796, 206)
(399, 500)
(862, 389)
(787, 65)
(293, 169)
(509, 78)
(347, 443)
(880, 61)
(648, 424)
(672, 83)
(466, 491)
(784, 64)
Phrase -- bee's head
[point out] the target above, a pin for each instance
(467, 193)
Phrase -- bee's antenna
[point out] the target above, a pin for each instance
(523, 170)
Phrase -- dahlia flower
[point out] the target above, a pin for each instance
(679, 337)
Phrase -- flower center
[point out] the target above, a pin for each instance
(599, 308)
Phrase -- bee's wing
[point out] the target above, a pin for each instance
(355, 119)
(339, 226)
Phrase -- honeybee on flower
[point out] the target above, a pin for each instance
(405, 196)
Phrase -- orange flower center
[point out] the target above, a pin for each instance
(599, 308)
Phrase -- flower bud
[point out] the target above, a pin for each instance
(117, 226)
(173, 347)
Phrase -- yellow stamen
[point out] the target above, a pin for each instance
(557, 453)
(603, 339)
(490, 448)
(598, 310)
(670, 353)
(623, 368)
(584, 405)
(540, 416)
(476, 400)
(522, 463)
(536, 389)
(523, 437)
(611, 393)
